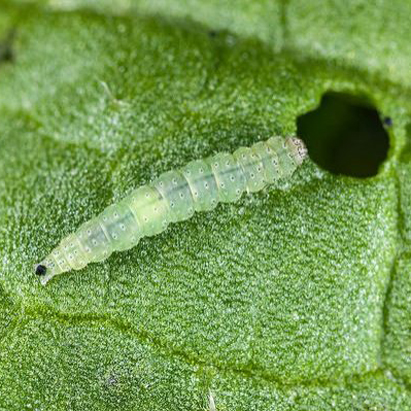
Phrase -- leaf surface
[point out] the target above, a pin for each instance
(294, 298)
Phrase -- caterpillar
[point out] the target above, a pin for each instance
(174, 196)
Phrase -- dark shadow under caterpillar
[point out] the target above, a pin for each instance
(172, 197)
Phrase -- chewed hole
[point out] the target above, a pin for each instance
(206, 185)
(345, 135)
(181, 195)
(201, 170)
(232, 178)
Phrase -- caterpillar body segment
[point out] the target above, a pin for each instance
(174, 196)
(175, 191)
(229, 177)
(149, 209)
(203, 184)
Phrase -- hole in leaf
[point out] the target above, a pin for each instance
(345, 135)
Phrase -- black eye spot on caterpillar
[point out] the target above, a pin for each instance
(41, 270)
(172, 197)
(388, 121)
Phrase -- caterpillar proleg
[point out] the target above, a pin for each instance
(172, 197)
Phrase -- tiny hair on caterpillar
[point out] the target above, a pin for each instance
(174, 196)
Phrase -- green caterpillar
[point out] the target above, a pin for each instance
(172, 197)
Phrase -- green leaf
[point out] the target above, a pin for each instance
(294, 298)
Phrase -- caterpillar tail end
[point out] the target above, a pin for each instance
(46, 270)
(65, 257)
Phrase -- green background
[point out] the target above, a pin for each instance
(294, 298)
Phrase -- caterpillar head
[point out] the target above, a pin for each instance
(298, 149)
